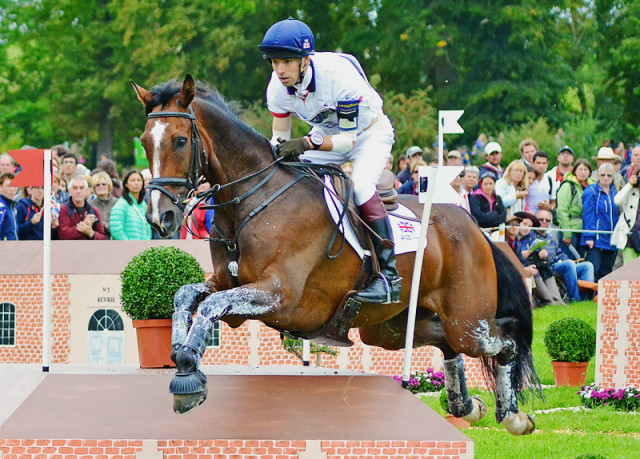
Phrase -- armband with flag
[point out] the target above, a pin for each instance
(347, 111)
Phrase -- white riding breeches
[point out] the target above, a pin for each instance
(369, 156)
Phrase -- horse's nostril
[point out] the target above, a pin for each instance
(168, 218)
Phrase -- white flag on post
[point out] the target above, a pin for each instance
(449, 121)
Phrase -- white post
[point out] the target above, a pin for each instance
(440, 140)
(417, 272)
(447, 124)
(46, 265)
(306, 352)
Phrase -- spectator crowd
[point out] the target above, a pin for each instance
(566, 222)
(85, 204)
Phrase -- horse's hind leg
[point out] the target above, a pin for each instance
(429, 332)
(461, 405)
(507, 411)
(185, 302)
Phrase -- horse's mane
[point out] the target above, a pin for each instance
(164, 92)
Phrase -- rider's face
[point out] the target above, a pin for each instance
(288, 70)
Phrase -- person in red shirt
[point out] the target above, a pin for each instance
(78, 218)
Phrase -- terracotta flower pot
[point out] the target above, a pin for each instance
(154, 343)
(457, 422)
(570, 373)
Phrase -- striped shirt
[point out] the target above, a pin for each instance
(540, 190)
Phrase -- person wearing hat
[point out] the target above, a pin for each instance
(485, 205)
(600, 213)
(565, 164)
(331, 93)
(546, 290)
(511, 237)
(414, 154)
(606, 155)
(511, 232)
(568, 269)
(454, 158)
(493, 155)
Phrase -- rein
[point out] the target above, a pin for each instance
(199, 160)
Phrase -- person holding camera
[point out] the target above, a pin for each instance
(628, 200)
(78, 218)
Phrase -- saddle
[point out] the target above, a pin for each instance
(336, 331)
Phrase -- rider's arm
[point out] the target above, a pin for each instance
(347, 111)
(280, 127)
(344, 141)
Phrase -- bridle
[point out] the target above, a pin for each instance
(199, 159)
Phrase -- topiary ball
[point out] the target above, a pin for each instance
(152, 278)
(570, 340)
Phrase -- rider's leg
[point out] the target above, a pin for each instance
(386, 287)
(370, 156)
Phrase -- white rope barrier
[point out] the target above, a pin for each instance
(553, 229)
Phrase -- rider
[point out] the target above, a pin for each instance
(330, 92)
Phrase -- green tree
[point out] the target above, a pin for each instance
(620, 45)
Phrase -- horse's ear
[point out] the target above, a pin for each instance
(188, 91)
(144, 96)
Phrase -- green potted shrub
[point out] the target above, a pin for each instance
(570, 343)
(149, 282)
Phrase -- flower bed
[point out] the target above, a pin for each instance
(429, 381)
(627, 399)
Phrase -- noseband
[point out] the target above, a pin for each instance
(199, 159)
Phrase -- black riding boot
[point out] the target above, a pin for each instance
(386, 287)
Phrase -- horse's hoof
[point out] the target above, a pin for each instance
(519, 423)
(188, 383)
(479, 410)
(187, 402)
(189, 390)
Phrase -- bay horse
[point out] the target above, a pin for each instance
(273, 223)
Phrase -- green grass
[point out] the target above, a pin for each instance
(542, 318)
(561, 434)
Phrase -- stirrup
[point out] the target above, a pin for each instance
(388, 291)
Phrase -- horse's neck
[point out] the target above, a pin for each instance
(238, 152)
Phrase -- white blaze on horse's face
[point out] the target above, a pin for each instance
(157, 133)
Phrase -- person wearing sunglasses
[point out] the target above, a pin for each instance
(600, 213)
(570, 270)
(102, 186)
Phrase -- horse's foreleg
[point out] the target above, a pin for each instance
(189, 383)
(507, 411)
(185, 302)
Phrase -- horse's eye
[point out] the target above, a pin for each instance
(181, 142)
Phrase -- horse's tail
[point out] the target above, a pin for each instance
(514, 307)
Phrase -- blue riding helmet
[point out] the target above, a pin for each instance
(288, 39)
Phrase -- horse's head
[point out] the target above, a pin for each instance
(175, 152)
